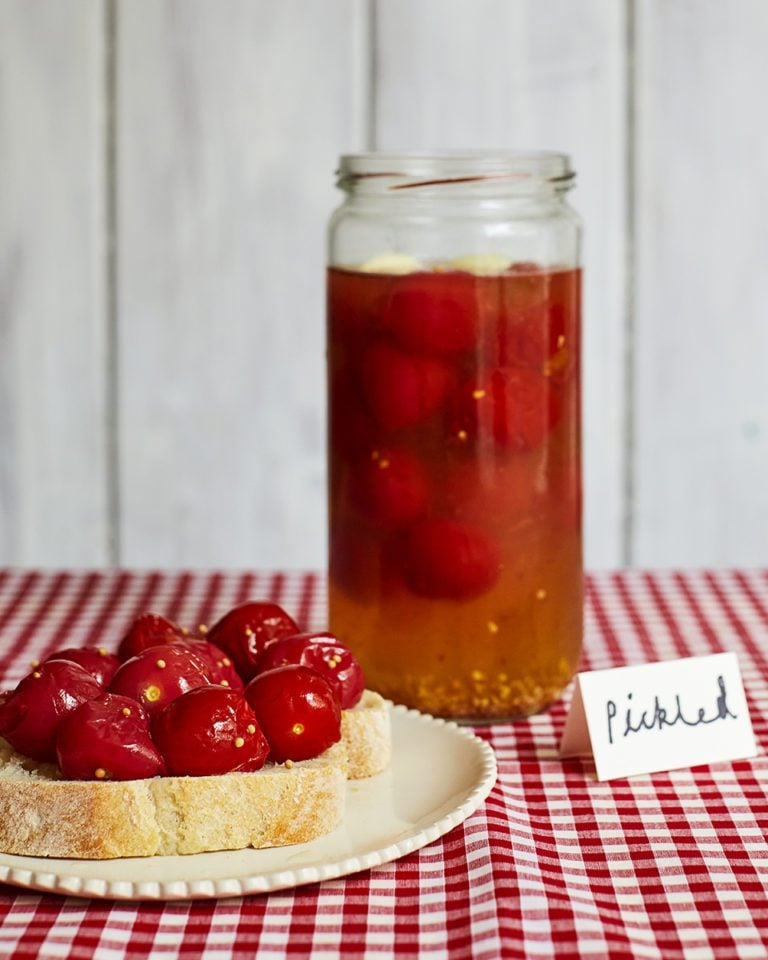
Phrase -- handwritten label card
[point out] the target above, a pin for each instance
(660, 716)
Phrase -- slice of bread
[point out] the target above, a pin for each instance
(42, 815)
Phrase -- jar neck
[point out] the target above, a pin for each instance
(481, 177)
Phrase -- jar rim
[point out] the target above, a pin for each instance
(408, 170)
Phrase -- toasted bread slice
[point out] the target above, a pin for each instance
(43, 815)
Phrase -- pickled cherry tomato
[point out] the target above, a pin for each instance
(448, 560)
(244, 631)
(432, 313)
(30, 716)
(297, 710)
(389, 487)
(402, 389)
(158, 675)
(515, 406)
(324, 653)
(209, 731)
(148, 630)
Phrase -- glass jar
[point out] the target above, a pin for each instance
(455, 568)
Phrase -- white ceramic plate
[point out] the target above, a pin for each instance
(440, 774)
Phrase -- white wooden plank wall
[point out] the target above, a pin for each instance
(200, 139)
(229, 118)
(53, 322)
(701, 343)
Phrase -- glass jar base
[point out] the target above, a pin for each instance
(499, 713)
(486, 721)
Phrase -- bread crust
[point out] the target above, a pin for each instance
(366, 734)
(42, 815)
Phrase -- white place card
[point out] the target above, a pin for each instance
(660, 716)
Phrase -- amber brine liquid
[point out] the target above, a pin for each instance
(455, 501)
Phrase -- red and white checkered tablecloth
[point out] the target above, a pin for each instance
(554, 865)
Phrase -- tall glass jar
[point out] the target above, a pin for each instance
(455, 567)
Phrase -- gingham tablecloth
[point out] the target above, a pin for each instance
(554, 865)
